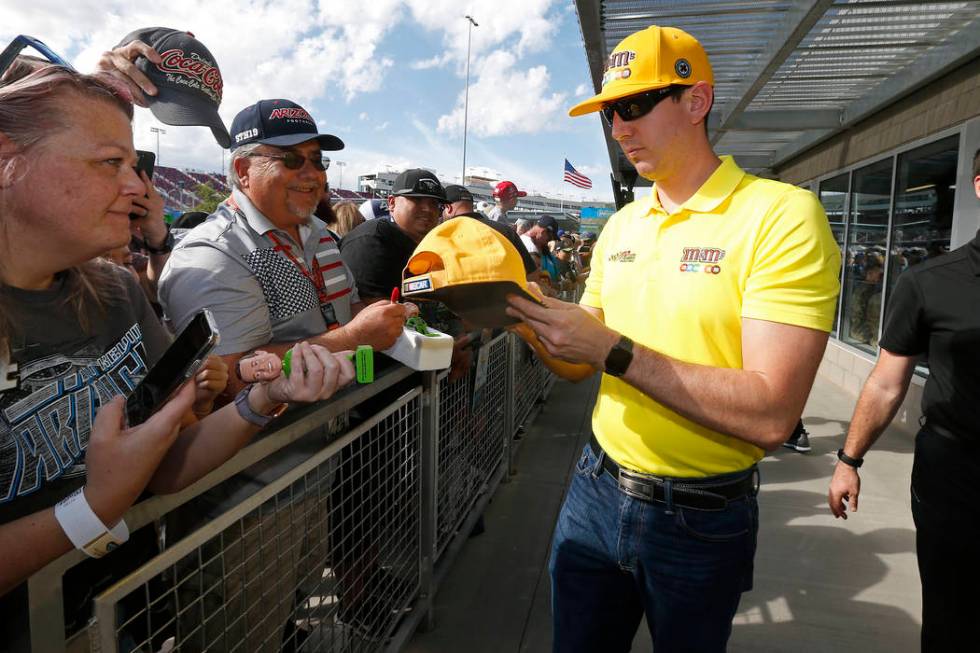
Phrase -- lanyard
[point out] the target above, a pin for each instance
(315, 277)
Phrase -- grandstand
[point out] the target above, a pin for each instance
(179, 188)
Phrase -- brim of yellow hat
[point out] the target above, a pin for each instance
(619, 91)
(483, 303)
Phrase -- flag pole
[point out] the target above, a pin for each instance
(561, 199)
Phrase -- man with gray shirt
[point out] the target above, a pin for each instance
(269, 272)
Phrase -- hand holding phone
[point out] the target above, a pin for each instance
(179, 363)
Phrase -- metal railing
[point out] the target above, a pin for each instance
(344, 548)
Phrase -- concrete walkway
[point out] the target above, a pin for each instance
(820, 584)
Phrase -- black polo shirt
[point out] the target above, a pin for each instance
(376, 252)
(507, 232)
(935, 311)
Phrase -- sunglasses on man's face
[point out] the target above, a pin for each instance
(11, 51)
(295, 160)
(635, 107)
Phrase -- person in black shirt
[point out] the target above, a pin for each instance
(932, 313)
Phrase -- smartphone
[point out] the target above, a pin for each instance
(144, 161)
(180, 362)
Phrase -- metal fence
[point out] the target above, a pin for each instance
(342, 551)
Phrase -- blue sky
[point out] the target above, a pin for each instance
(386, 76)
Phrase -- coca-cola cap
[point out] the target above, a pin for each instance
(282, 123)
(188, 81)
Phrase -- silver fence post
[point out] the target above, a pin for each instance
(513, 347)
(429, 471)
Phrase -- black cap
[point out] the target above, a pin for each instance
(416, 182)
(278, 122)
(548, 223)
(457, 193)
(189, 84)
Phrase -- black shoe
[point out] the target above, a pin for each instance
(385, 600)
(799, 441)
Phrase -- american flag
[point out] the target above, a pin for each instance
(576, 178)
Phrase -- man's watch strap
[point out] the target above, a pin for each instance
(619, 358)
(847, 460)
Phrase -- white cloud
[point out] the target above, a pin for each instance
(506, 100)
(582, 90)
(363, 115)
(437, 61)
(383, 126)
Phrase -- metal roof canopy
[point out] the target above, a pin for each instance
(791, 74)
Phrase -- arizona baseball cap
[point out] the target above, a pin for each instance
(418, 182)
(372, 209)
(506, 189)
(457, 193)
(281, 123)
(656, 57)
(188, 81)
(471, 268)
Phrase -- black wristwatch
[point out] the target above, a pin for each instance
(620, 357)
(847, 460)
(165, 248)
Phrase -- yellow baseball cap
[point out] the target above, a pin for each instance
(653, 58)
(469, 267)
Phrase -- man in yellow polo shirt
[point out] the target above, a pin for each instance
(708, 309)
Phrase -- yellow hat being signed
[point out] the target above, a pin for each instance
(469, 267)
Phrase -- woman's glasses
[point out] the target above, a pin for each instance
(10, 53)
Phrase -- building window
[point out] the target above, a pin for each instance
(864, 258)
(833, 196)
(925, 187)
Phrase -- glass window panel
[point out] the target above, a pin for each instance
(867, 240)
(833, 196)
(925, 188)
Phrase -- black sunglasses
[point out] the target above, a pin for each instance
(637, 106)
(294, 160)
(11, 51)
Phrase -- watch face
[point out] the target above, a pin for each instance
(620, 357)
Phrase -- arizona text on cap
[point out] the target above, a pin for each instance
(281, 123)
(471, 268)
(188, 81)
(507, 189)
(656, 57)
(418, 182)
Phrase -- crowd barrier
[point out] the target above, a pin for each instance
(344, 549)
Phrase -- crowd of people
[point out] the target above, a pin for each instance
(94, 284)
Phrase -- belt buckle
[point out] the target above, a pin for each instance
(636, 485)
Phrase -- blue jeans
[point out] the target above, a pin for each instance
(615, 558)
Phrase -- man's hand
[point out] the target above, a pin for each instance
(120, 461)
(118, 62)
(844, 489)
(315, 375)
(209, 382)
(149, 225)
(566, 331)
(379, 324)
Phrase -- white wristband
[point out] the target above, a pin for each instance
(84, 528)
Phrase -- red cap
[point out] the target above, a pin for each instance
(506, 189)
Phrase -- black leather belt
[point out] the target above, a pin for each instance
(699, 493)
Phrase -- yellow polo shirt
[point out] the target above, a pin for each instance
(680, 284)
